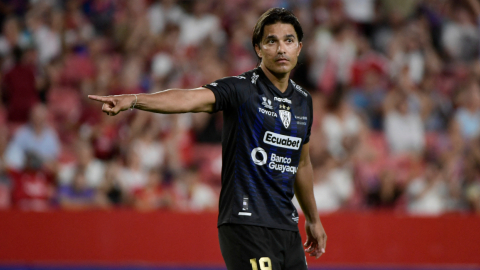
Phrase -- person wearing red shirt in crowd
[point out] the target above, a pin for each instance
(33, 187)
(20, 92)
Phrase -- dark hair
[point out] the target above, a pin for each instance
(272, 16)
(17, 54)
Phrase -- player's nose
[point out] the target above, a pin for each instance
(281, 49)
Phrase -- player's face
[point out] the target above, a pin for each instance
(279, 48)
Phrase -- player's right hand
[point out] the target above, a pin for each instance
(112, 105)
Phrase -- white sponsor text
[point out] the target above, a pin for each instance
(282, 140)
(274, 114)
(286, 100)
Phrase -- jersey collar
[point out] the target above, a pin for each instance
(267, 81)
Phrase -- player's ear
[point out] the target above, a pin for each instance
(300, 45)
(258, 51)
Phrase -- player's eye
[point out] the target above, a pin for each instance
(270, 41)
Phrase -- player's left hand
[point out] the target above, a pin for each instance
(316, 239)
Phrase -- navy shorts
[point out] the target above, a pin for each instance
(246, 247)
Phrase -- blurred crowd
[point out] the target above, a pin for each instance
(395, 87)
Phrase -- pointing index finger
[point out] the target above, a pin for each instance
(100, 98)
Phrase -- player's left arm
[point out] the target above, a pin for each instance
(316, 236)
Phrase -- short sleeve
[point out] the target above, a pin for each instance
(230, 92)
(310, 120)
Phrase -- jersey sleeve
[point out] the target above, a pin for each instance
(230, 92)
(310, 120)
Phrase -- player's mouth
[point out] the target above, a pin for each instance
(282, 60)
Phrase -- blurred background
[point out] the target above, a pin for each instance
(395, 142)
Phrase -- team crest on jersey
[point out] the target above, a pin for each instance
(285, 115)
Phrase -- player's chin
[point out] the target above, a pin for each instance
(283, 68)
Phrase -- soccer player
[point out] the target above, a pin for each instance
(267, 122)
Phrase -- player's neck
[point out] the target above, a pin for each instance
(279, 80)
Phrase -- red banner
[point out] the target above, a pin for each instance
(124, 236)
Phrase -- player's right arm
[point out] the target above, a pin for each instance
(169, 101)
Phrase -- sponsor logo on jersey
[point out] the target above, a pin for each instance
(298, 88)
(267, 103)
(282, 140)
(286, 100)
(254, 78)
(267, 112)
(282, 164)
(214, 84)
(259, 156)
(285, 115)
(303, 119)
(276, 163)
(294, 217)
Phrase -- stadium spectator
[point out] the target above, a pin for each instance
(163, 13)
(332, 187)
(36, 137)
(77, 195)
(78, 29)
(473, 196)
(362, 11)
(191, 194)
(467, 116)
(19, 88)
(150, 149)
(33, 186)
(154, 195)
(460, 34)
(92, 169)
(335, 57)
(427, 194)
(46, 38)
(466, 179)
(369, 83)
(111, 192)
(201, 25)
(341, 126)
(404, 129)
(438, 106)
(105, 138)
(11, 37)
(386, 191)
(132, 177)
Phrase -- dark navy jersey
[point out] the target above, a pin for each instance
(263, 134)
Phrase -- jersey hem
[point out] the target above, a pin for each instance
(258, 225)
